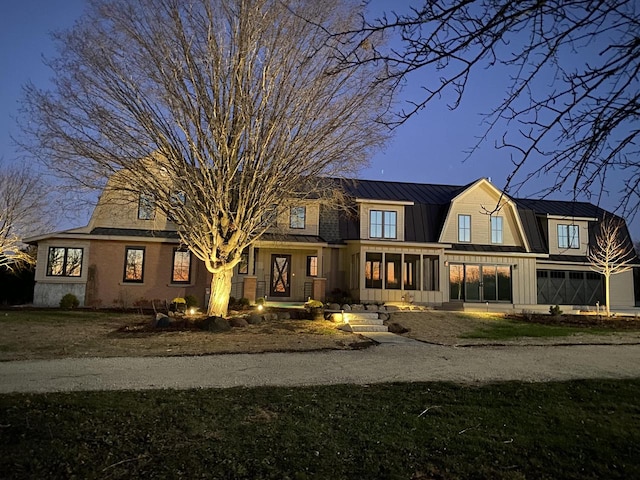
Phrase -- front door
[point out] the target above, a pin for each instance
(280, 276)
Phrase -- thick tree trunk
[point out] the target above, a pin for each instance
(220, 291)
(606, 294)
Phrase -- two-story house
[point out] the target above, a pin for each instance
(398, 242)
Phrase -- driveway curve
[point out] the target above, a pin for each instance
(414, 362)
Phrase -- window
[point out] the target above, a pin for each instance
(568, 236)
(297, 217)
(133, 264)
(146, 207)
(496, 229)
(243, 266)
(64, 262)
(392, 271)
(373, 270)
(411, 275)
(464, 228)
(181, 270)
(383, 224)
(312, 266)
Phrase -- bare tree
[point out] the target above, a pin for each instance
(572, 102)
(23, 212)
(612, 253)
(221, 111)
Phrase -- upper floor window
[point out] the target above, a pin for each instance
(133, 264)
(146, 207)
(181, 269)
(496, 229)
(297, 216)
(568, 236)
(64, 262)
(383, 224)
(464, 228)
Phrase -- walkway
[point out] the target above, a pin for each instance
(411, 362)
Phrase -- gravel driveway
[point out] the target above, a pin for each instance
(411, 362)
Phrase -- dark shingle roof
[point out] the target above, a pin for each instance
(426, 193)
(561, 208)
(134, 232)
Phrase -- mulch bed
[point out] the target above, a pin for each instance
(586, 321)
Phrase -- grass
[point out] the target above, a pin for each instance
(506, 329)
(569, 430)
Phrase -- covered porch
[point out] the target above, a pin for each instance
(285, 270)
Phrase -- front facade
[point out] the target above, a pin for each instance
(401, 242)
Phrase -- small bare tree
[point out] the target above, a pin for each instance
(23, 212)
(221, 112)
(572, 98)
(612, 253)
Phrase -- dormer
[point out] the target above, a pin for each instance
(482, 215)
(382, 220)
(568, 235)
(298, 218)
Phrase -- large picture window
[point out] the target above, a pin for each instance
(568, 236)
(64, 262)
(383, 224)
(134, 264)
(373, 270)
(464, 228)
(181, 269)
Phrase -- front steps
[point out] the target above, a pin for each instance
(357, 322)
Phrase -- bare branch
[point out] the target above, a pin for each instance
(571, 106)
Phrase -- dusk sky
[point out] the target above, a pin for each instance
(430, 148)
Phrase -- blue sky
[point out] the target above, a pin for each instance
(431, 147)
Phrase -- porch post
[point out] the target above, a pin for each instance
(251, 260)
(319, 287)
(320, 263)
(249, 288)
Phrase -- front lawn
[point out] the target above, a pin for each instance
(53, 333)
(569, 430)
(508, 329)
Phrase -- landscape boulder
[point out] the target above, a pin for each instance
(255, 319)
(238, 322)
(215, 324)
(162, 321)
(396, 328)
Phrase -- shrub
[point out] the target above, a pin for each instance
(191, 300)
(555, 310)
(69, 301)
(244, 302)
(260, 301)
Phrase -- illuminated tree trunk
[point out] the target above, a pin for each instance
(220, 291)
(606, 293)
